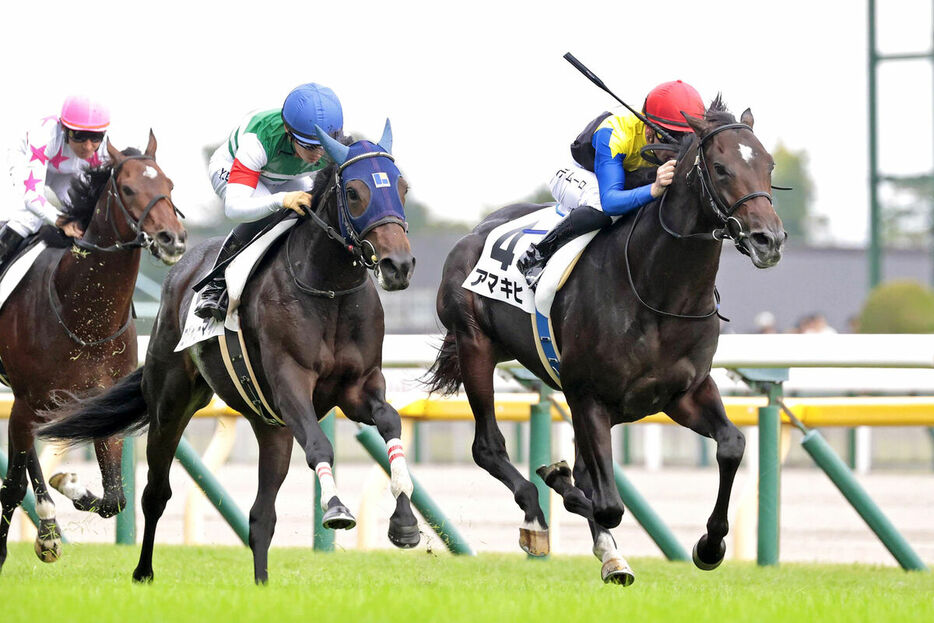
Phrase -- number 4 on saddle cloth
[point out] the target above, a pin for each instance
(495, 275)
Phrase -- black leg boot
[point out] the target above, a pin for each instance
(9, 243)
(213, 301)
(578, 222)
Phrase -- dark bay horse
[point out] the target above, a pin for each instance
(313, 327)
(68, 325)
(637, 328)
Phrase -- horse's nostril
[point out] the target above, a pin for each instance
(165, 238)
(761, 240)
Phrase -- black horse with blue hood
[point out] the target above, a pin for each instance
(312, 325)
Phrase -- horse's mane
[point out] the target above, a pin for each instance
(86, 189)
(717, 113)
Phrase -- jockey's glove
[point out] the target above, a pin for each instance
(298, 201)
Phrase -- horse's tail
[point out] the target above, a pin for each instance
(444, 375)
(120, 410)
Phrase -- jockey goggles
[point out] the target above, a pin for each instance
(80, 136)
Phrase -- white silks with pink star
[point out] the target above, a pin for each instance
(42, 167)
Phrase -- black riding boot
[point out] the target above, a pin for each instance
(9, 243)
(213, 302)
(578, 222)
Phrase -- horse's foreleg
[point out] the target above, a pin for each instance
(49, 536)
(368, 404)
(109, 453)
(294, 388)
(616, 569)
(592, 434)
(275, 448)
(702, 411)
(477, 362)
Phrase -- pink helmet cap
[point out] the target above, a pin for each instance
(83, 113)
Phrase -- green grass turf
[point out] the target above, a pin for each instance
(92, 583)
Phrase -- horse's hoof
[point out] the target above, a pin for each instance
(404, 537)
(68, 484)
(617, 571)
(548, 473)
(338, 517)
(702, 564)
(534, 542)
(48, 550)
(142, 577)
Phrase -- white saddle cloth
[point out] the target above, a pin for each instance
(495, 275)
(196, 329)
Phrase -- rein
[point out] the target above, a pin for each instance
(142, 239)
(56, 305)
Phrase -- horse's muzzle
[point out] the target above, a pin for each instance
(169, 246)
(765, 247)
(394, 273)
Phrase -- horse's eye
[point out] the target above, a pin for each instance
(128, 191)
(352, 194)
(720, 169)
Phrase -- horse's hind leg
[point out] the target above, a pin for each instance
(109, 453)
(172, 396)
(367, 403)
(275, 448)
(702, 411)
(475, 353)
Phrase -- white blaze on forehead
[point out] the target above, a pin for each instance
(745, 151)
(151, 173)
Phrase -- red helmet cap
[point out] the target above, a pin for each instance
(664, 104)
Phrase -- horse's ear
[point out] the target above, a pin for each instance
(337, 151)
(700, 126)
(386, 141)
(151, 147)
(115, 156)
(746, 117)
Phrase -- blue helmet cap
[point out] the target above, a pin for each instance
(309, 105)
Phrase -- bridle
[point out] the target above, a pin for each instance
(362, 250)
(732, 228)
(142, 239)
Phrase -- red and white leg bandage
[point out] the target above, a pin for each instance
(326, 480)
(401, 481)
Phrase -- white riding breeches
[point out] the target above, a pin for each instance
(573, 187)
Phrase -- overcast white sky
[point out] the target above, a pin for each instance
(483, 106)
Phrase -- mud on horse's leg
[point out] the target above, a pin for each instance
(109, 453)
(49, 537)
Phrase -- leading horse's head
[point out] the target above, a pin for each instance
(370, 198)
(735, 173)
(140, 204)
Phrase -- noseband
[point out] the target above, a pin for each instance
(142, 239)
